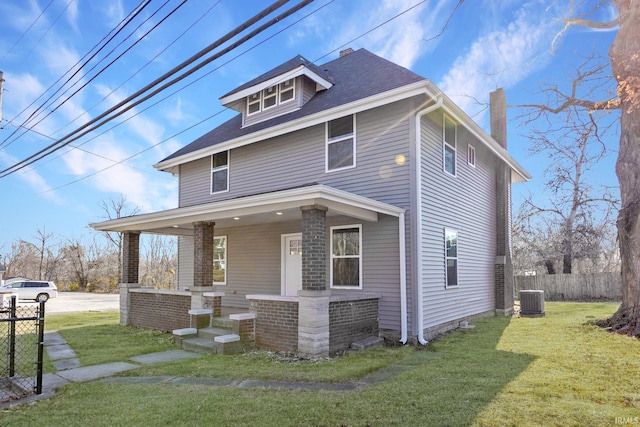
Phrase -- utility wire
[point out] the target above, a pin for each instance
(178, 90)
(26, 31)
(70, 137)
(200, 17)
(51, 111)
(128, 19)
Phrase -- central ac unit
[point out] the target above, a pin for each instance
(532, 303)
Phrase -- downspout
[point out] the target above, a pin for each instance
(418, 215)
(403, 279)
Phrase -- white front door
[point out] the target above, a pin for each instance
(291, 264)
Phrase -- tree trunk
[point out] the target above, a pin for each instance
(625, 64)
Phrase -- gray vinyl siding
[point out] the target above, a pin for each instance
(465, 203)
(298, 158)
(254, 263)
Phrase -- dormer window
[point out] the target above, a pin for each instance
(271, 97)
(253, 103)
(287, 91)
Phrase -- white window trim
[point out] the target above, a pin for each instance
(328, 142)
(293, 88)
(331, 256)
(259, 102)
(471, 156)
(445, 144)
(217, 169)
(226, 264)
(262, 97)
(446, 258)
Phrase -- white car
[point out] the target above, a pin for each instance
(37, 290)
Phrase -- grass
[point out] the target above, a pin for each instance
(556, 370)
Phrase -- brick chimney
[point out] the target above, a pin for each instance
(346, 52)
(503, 267)
(498, 113)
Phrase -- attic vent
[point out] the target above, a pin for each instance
(532, 303)
(346, 52)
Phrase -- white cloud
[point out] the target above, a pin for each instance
(147, 130)
(501, 58)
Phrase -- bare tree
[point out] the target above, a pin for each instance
(625, 65)
(159, 262)
(113, 209)
(577, 209)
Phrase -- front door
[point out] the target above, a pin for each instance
(291, 264)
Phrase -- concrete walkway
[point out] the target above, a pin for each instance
(68, 370)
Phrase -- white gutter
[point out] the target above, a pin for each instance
(403, 279)
(418, 215)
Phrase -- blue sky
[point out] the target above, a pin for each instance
(485, 45)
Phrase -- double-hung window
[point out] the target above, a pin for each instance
(449, 145)
(346, 257)
(220, 260)
(451, 257)
(220, 172)
(341, 143)
(271, 96)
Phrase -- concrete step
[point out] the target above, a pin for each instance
(211, 333)
(222, 322)
(200, 345)
(367, 343)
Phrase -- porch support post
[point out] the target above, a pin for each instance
(130, 257)
(313, 299)
(203, 233)
(130, 264)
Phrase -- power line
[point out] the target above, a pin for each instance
(114, 60)
(123, 23)
(26, 31)
(98, 121)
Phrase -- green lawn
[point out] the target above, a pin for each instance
(555, 370)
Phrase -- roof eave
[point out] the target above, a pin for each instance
(300, 70)
(460, 116)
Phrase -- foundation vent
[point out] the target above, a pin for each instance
(532, 303)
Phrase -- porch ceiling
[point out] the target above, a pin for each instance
(256, 209)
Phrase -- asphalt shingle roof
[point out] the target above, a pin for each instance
(355, 76)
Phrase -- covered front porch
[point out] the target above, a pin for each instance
(297, 308)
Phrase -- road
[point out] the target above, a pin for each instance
(69, 302)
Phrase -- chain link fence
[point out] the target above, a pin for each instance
(21, 344)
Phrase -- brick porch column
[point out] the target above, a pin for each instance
(130, 257)
(313, 299)
(202, 262)
(130, 264)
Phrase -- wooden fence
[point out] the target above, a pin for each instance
(573, 287)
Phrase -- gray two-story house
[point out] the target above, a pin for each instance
(343, 200)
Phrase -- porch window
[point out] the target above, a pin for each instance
(220, 260)
(451, 257)
(220, 172)
(346, 257)
(449, 145)
(341, 143)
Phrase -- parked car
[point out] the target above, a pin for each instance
(37, 290)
